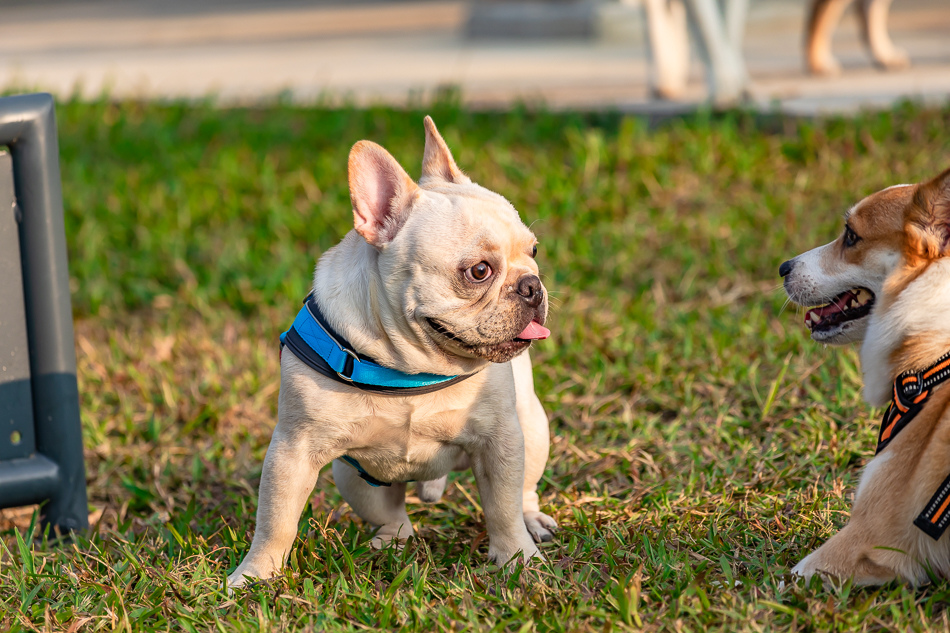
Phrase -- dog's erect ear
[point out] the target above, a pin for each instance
(437, 161)
(930, 219)
(380, 190)
(937, 194)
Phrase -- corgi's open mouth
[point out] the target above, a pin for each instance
(848, 306)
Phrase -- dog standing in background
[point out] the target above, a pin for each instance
(823, 18)
(720, 25)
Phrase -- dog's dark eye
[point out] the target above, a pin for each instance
(850, 237)
(479, 272)
(534, 251)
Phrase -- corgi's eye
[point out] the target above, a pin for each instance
(850, 237)
(479, 272)
(534, 251)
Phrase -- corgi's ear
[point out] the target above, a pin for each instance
(437, 161)
(936, 194)
(381, 192)
(928, 231)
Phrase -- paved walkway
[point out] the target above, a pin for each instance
(370, 51)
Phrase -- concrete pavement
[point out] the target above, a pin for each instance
(370, 51)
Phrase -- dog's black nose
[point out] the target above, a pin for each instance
(785, 268)
(529, 287)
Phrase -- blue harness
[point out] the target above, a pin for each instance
(314, 342)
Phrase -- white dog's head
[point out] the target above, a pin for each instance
(885, 281)
(451, 266)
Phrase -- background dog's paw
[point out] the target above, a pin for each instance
(894, 59)
(540, 526)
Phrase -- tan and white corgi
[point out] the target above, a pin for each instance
(886, 281)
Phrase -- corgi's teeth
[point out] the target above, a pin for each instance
(816, 318)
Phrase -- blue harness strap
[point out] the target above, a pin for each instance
(365, 476)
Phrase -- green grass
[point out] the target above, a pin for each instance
(702, 444)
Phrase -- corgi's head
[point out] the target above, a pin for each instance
(885, 281)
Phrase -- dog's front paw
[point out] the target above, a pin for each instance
(255, 567)
(540, 526)
(503, 556)
(236, 581)
(804, 569)
(242, 576)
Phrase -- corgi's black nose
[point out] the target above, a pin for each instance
(785, 268)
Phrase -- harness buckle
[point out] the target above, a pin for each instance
(347, 373)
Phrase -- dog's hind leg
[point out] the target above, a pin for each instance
(431, 491)
(534, 426)
(873, 15)
(881, 541)
(383, 506)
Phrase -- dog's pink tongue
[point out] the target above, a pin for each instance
(535, 331)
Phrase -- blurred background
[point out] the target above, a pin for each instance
(566, 53)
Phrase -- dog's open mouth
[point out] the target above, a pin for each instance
(848, 306)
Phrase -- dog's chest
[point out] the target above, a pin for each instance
(403, 440)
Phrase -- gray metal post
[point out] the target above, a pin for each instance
(56, 471)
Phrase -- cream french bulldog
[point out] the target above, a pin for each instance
(421, 319)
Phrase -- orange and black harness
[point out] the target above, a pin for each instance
(912, 390)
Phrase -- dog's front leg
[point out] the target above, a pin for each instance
(498, 464)
(537, 445)
(290, 472)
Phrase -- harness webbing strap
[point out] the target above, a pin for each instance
(911, 392)
(365, 476)
(935, 517)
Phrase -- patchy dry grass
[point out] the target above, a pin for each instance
(702, 444)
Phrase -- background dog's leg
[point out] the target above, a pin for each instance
(873, 15)
(289, 475)
(669, 47)
(822, 20)
(383, 506)
(726, 72)
(537, 441)
(498, 464)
